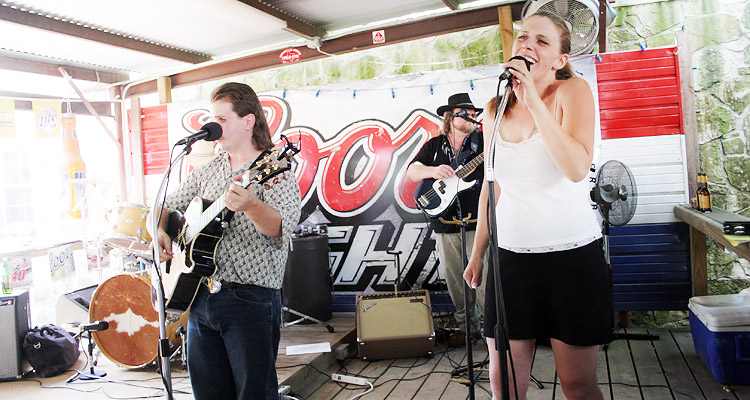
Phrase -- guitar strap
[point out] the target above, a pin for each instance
(476, 140)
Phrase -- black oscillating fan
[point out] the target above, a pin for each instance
(616, 198)
(615, 193)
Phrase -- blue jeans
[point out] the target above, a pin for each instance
(233, 340)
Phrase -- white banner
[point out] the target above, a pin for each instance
(356, 141)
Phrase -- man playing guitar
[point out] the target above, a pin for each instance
(459, 139)
(233, 327)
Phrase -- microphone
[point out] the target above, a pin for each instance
(95, 326)
(507, 75)
(463, 114)
(209, 132)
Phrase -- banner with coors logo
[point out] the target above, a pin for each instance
(356, 141)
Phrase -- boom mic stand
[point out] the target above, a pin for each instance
(502, 343)
(156, 276)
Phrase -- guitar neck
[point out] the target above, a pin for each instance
(470, 166)
(195, 227)
(274, 163)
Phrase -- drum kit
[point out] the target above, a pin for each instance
(124, 300)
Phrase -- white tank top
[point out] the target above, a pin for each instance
(540, 210)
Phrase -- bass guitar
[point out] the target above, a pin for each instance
(196, 234)
(435, 197)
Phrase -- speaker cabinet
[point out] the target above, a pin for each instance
(307, 281)
(394, 325)
(14, 324)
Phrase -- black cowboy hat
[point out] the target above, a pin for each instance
(458, 100)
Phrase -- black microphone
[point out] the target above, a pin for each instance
(95, 326)
(209, 132)
(507, 75)
(463, 114)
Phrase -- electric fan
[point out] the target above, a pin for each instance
(615, 193)
(582, 17)
(616, 198)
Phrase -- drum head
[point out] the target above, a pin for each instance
(132, 338)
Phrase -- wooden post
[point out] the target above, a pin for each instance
(688, 111)
(506, 31)
(603, 26)
(136, 152)
(116, 93)
(164, 86)
(698, 262)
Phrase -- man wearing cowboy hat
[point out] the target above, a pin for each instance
(458, 136)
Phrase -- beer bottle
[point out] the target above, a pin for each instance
(703, 195)
(73, 168)
(7, 277)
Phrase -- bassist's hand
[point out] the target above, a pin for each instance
(442, 172)
(165, 246)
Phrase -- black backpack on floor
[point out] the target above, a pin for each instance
(51, 350)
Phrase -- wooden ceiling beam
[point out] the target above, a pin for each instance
(44, 68)
(40, 21)
(452, 4)
(293, 24)
(103, 108)
(453, 22)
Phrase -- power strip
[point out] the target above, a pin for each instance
(349, 379)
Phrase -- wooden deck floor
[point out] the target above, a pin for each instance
(667, 368)
(662, 369)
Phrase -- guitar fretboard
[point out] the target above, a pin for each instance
(206, 217)
(470, 166)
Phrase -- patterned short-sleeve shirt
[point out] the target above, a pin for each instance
(244, 255)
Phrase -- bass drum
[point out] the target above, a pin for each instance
(131, 340)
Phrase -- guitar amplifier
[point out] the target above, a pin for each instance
(14, 325)
(394, 325)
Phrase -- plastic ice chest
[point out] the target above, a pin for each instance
(720, 326)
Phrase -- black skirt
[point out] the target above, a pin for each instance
(565, 295)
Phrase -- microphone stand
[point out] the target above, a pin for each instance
(92, 374)
(163, 344)
(502, 343)
(467, 317)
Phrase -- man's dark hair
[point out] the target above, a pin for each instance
(245, 101)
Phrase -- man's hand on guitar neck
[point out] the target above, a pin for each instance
(238, 198)
(418, 171)
(442, 172)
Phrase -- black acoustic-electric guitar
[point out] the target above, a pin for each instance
(196, 235)
(434, 197)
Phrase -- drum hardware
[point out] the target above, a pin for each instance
(307, 230)
(182, 349)
(302, 318)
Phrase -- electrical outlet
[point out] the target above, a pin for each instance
(349, 379)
